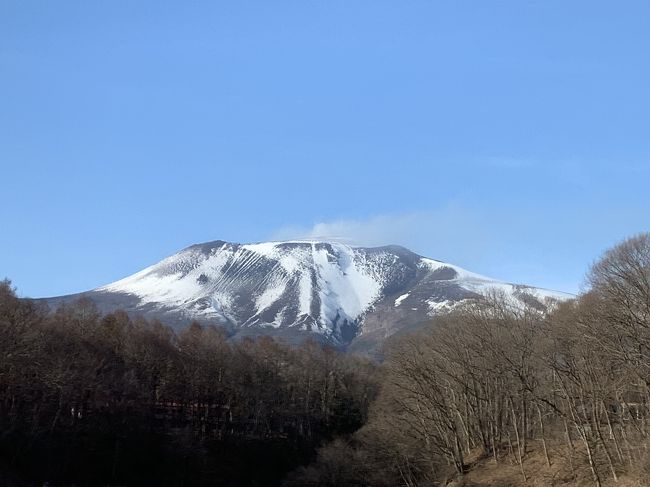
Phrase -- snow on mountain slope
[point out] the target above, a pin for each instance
(317, 284)
(334, 290)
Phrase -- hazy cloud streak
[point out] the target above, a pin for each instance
(449, 233)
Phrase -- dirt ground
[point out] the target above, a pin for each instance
(565, 470)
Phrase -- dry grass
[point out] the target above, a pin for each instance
(565, 470)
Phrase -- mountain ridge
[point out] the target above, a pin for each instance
(339, 293)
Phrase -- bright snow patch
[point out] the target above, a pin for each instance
(399, 300)
(436, 307)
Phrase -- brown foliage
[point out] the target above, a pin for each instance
(509, 385)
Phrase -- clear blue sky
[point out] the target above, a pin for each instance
(511, 138)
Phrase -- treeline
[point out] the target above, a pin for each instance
(87, 399)
(497, 382)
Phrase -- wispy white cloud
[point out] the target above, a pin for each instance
(451, 233)
(512, 244)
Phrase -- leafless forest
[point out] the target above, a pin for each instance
(556, 396)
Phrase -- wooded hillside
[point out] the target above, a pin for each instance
(557, 396)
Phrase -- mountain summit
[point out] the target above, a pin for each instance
(331, 290)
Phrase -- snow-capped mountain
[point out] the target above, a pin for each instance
(341, 293)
